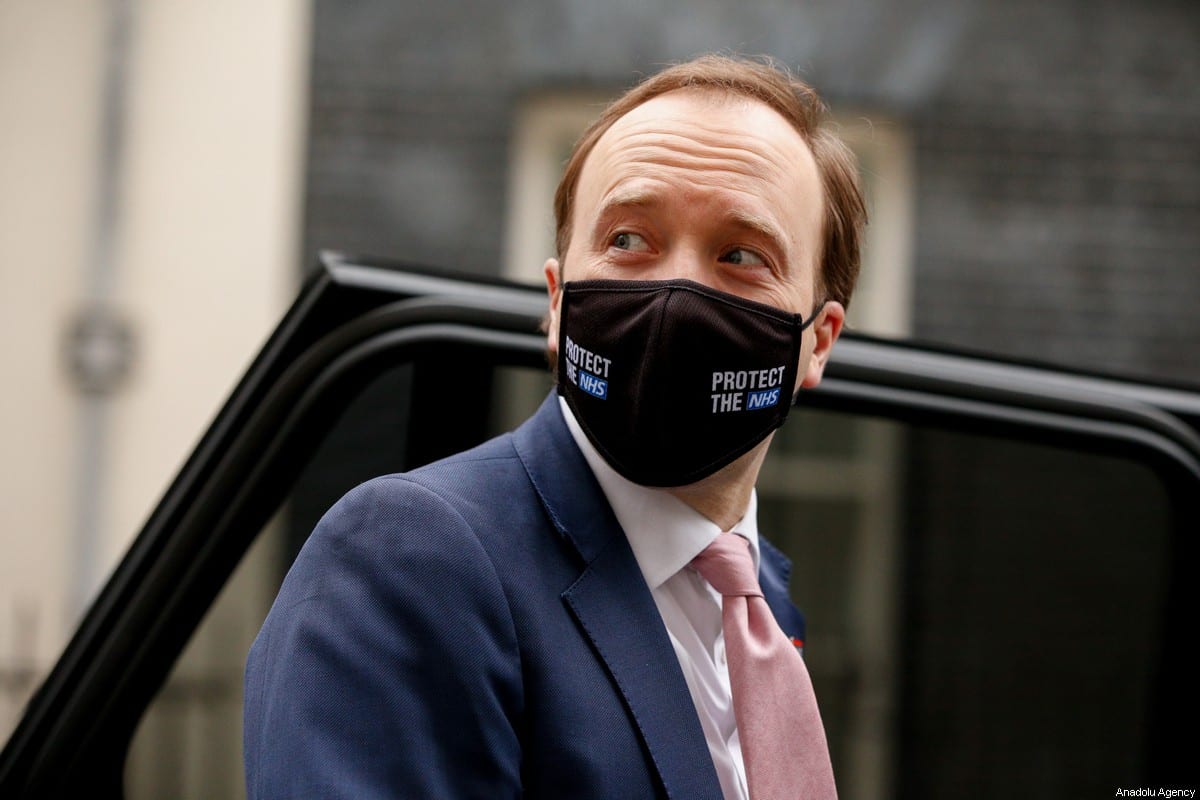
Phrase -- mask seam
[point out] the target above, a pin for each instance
(752, 306)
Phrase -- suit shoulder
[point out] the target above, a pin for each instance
(487, 485)
(431, 486)
(473, 494)
(481, 463)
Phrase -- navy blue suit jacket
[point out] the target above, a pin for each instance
(477, 628)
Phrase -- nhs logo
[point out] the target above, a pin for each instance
(584, 369)
(594, 386)
(763, 399)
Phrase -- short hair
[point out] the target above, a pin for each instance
(844, 213)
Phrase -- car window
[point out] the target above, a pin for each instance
(965, 590)
(962, 590)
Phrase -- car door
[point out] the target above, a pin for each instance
(994, 557)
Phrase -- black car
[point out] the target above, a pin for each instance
(997, 559)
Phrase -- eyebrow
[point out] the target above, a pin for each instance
(761, 225)
(621, 199)
(637, 197)
(641, 198)
(629, 198)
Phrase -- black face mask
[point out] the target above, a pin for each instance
(672, 380)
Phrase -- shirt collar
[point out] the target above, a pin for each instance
(664, 532)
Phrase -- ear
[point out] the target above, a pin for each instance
(827, 328)
(554, 289)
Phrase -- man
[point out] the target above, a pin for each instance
(546, 615)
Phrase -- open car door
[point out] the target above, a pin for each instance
(997, 559)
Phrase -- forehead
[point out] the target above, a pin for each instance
(731, 124)
(705, 141)
(725, 111)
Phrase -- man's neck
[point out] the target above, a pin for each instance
(724, 496)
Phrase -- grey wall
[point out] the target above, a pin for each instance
(1058, 166)
(1059, 196)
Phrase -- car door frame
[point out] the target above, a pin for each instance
(355, 316)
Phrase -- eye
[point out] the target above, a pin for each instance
(743, 257)
(629, 241)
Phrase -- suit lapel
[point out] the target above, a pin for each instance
(613, 607)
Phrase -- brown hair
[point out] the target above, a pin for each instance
(845, 214)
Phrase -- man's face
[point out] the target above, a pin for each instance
(717, 189)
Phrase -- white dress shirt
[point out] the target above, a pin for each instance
(666, 534)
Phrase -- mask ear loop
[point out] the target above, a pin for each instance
(804, 324)
(816, 312)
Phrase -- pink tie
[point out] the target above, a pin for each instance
(783, 741)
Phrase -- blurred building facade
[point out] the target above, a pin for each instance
(1032, 166)
(151, 165)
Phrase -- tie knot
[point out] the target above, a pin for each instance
(727, 565)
